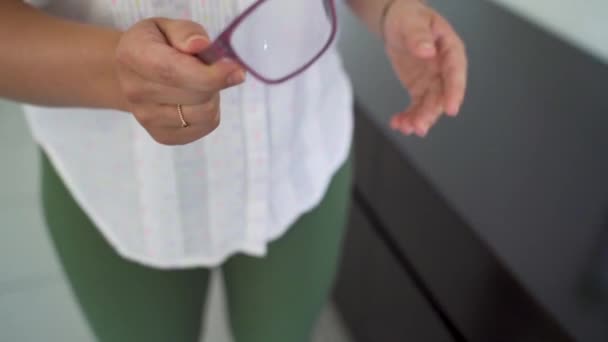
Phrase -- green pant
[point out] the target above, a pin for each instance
(272, 299)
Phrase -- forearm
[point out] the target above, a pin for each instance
(53, 62)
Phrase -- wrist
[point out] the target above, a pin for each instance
(111, 94)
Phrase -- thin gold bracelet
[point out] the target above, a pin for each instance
(385, 10)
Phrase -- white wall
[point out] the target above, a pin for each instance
(582, 22)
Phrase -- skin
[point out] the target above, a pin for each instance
(427, 55)
(145, 70)
(149, 68)
(152, 86)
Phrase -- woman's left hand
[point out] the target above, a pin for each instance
(429, 59)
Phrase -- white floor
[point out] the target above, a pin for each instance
(35, 301)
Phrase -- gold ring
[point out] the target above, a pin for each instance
(181, 116)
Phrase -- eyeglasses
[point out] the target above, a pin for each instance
(276, 40)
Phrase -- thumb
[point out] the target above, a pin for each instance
(183, 35)
(418, 36)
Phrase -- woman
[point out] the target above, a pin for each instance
(144, 191)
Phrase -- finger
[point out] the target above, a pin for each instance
(432, 112)
(166, 117)
(205, 114)
(184, 35)
(417, 33)
(418, 91)
(140, 91)
(395, 121)
(454, 74)
(167, 66)
(404, 120)
(179, 135)
(169, 95)
(453, 67)
(400, 122)
(192, 38)
(428, 112)
(155, 60)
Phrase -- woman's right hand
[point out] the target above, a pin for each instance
(157, 71)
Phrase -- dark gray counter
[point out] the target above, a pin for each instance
(524, 169)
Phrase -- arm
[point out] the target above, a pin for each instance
(54, 62)
(147, 70)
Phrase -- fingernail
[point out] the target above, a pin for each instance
(427, 46)
(229, 64)
(236, 77)
(423, 131)
(226, 60)
(196, 37)
(407, 130)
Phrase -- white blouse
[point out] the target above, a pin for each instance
(235, 190)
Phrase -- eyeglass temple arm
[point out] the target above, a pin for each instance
(214, 53)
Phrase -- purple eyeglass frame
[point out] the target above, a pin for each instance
(222, 47)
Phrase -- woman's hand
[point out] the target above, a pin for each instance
(156, 72)
(429, 58)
